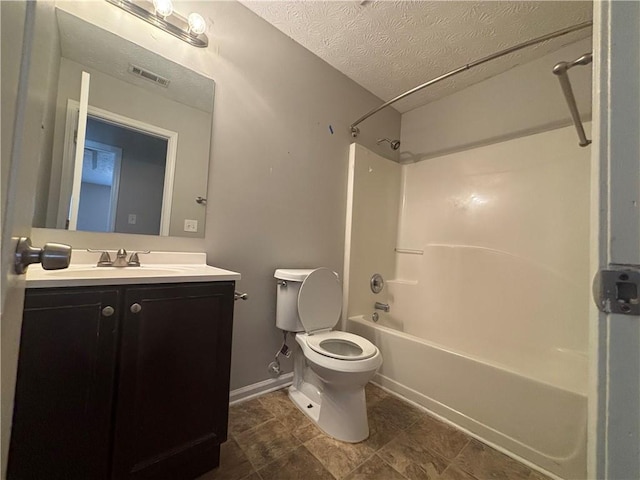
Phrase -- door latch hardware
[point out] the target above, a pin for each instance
(616, 290)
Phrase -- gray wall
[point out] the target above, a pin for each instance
(277, 177)
(140, 193)
(9, 84)
(49, 58)
(94, 207)
(524, 100)
(46, 50)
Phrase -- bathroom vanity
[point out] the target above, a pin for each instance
(123, 373)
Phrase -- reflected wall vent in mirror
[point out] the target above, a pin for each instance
(160, 13)
(147, 75)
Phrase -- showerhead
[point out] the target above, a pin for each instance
(394, 144)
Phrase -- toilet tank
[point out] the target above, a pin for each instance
(289, 283)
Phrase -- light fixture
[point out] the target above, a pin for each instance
(163, 7)
(197, 24)
(160, 14)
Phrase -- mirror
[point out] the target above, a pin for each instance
(144, 163)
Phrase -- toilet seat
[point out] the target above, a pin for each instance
(341, 345)
(336, 365)
(319, 307)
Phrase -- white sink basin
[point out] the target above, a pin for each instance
(87, 271)
(176, 267)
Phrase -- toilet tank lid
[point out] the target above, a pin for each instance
(293, 274)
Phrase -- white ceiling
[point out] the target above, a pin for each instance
(389, 47)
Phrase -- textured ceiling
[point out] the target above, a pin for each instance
(96, 48)
(389, 47)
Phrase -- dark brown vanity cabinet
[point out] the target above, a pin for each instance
(63, 404)
(173, 382)
(122, 382)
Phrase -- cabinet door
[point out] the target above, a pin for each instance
(64, 389)
(173, 389)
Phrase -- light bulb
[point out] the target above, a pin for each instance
(163, 8)
(197, 23)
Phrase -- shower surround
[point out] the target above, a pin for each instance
(485, 257)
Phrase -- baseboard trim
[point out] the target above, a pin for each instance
(256, 389)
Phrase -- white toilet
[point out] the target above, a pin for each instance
(331, 368)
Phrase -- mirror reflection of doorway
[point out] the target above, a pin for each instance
(99, 189)
(123, 179)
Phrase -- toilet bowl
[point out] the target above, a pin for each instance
(331, 368)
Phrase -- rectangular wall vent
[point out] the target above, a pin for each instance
(147, 75)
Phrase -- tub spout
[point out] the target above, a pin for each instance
(382, 306)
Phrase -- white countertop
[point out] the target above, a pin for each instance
(156, 267)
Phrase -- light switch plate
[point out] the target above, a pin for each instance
(190, 225)
(132, 218)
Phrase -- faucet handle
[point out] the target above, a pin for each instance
(134, 261)
(105, 259)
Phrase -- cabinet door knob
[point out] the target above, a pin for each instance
(135, 308)
(108, 311)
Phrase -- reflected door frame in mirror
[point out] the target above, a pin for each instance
(68, 161)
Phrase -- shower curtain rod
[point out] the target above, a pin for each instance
(561, 69)
(354, 126)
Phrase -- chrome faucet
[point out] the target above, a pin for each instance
(382, 306)
(121, 259)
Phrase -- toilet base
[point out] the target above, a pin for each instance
(340, 413)
(310, 408)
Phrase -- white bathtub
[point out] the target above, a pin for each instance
(538, 421)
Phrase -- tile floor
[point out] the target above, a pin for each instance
(270, 439)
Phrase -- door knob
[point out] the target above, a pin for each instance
(53, 256)
(136, 308)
